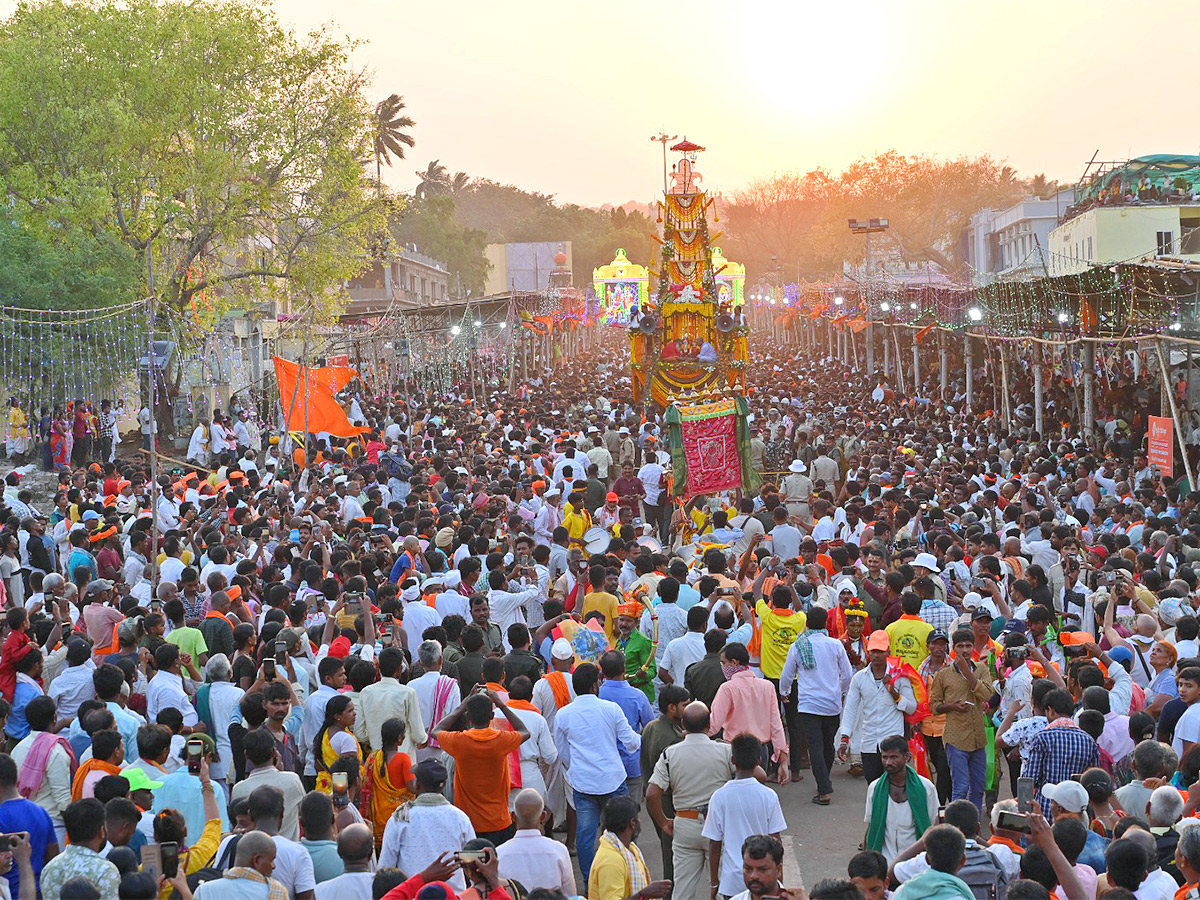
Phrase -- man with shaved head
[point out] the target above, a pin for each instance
(530, 857)
(691, 770)
(355, 844)
(250, 877)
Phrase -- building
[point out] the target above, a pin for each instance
(1012, 243)
(524, 266)
(1143, 209)
(413, 280)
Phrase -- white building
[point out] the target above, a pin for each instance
(1012, 243)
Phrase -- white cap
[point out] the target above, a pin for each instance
(1070, 795)
(341, 479)
(972, 599)
(562, 649)
(928, 561)
(553, 492)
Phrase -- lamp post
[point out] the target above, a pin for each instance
(664, 139)
(974, 316)
(867, 227)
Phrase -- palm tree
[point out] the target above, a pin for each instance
(391, 136)
(434, 180)
(458, 184)
(1041, 186)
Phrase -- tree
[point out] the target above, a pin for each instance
(795, 224)
(391, 136)
(457, 186)
(434, 180)
(201, 137)
(1041, 186)
(430, 223)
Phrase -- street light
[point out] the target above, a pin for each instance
(503, 325)
(455, 330)
(975, 314)
(839, 300)
(478, 324)
(885, 306)
(1175, 326)
(1062, 318)
(912, 306)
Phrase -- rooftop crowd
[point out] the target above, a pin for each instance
(474, 651)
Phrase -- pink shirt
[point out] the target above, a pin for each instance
(747, 704)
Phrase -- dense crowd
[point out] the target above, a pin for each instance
(473, 650)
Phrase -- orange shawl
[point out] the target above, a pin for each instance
(81, 773)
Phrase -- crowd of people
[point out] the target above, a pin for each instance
(472, 651)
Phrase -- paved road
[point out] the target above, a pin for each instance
(821, 838)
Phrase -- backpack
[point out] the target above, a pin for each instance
(395, 465)
(983, 874)
(216, 871)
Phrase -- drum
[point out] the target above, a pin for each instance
(653, 543)
(596, 540)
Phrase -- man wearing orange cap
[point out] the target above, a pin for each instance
(609, 514)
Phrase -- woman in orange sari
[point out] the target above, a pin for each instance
(389, 774)
(335, 739)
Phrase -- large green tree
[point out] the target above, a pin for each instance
(201, 136)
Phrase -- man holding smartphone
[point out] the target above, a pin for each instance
(961, 692)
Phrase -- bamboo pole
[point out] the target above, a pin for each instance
(1187, 465)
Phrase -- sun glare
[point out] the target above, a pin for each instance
(807, 59)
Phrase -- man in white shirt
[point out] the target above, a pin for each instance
(589, 733)
(437, 694)
(356, 847)
(548, 517)
(74, 684)
(684, 650)
(421, 831)
(741, 808)
(821, 669)
(331, 672)
(532, 858)
(389, 699)
(508, 607)
(53, 793)
(166, 687)
(652, 475)
(293, 865)
(784, 539)
(259, 745)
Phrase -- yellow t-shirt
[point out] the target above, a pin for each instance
(780, 627)
(605, 603)
(909, 636)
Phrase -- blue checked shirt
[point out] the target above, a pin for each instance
(1056, 753)
(940, 615)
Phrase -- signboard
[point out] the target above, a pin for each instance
(1162, 444)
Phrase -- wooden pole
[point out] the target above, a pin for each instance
(1187, 465)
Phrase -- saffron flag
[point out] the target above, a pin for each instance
(897, 669)
(311, 401)
(922, 334)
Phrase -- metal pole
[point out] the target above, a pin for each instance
(870, 332)
(969, 365)
(916, 364)
(1187, 466)
(151, 375)
(887, 355)
(1038, 413)
(944, 353)
(1089, 388)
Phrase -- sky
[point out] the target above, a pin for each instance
(563, 98)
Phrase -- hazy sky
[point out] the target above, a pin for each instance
(563, 97)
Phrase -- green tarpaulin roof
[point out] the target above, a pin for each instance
(1153, 167)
